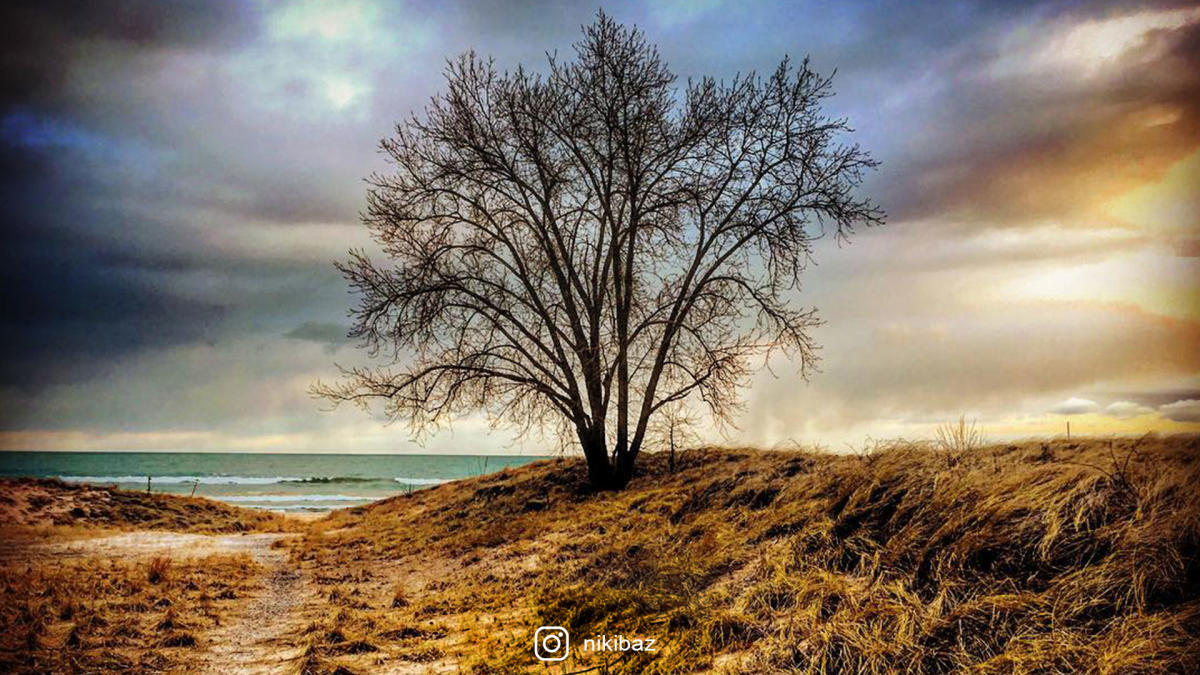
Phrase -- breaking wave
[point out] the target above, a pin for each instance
(179, 480)
(250, 480)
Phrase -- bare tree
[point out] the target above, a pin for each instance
(577, 249)
(674, 427)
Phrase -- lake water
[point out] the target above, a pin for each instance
(285, 482)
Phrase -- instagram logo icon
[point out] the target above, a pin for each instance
(551, 643)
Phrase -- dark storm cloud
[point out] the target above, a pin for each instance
(41, 38)
(60, 308)
(1187, 410)
(960, 140)
(60, 298)
(1019, 148)
(86, 278)
(1155, 399)
(178, 176)
(145, 23)
(119, 174)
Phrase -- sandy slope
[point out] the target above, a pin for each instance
(269, 625)
(262, 636)
(1077, 555)
(142, 544)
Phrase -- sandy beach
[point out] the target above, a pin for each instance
(984, 559)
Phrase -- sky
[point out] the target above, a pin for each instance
(178, 178)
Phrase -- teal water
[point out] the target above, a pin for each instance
(286, 482)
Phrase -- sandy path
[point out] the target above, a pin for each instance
(148, 544)
(263, 634)
(264, 637)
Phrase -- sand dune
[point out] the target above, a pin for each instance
(1050, 555)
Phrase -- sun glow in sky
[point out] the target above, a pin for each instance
(341, 92)
(1094, 46)
(179, 177)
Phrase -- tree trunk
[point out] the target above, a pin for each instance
(623, 471)
(671, 446)
(600, 473)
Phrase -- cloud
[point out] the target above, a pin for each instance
(331, 334)
(1155, 397)
(1170, 208)
(1126, 409)
(178, 176)
(926, 355)
(920, 327)
(1182, 411)
(242, 384)
(671, 13)
(1042, 141)
(1074, 406)
(42, 38)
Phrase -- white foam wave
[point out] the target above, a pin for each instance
(290, 498)
(180, 480)
(423, 481)
(308, 508)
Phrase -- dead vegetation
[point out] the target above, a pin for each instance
(1040, 556)
(95, 579)
(1047, 556)
(44, 506)
(90, 615)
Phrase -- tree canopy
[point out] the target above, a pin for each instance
(583, 248)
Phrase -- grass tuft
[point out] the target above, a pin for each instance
(158, 569)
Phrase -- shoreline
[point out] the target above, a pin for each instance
(291, 483)
(735, 561)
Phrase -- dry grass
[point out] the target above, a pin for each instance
(1031, 557)
(1050, 557)
(69, 606)
(49, 508)
(956, 439)
(89, 615)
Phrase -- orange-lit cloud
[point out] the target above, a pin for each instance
(177, 188)
(1056, 120)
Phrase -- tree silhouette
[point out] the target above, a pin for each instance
(582, 248)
